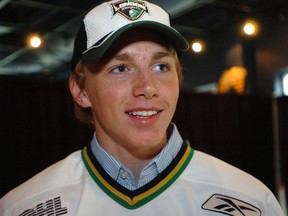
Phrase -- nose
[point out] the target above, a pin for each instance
(145, 85)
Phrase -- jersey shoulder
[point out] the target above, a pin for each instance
(213, 171)
(49, 183)
(217, 180)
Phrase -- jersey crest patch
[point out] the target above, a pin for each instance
(131, 9)
(52, 207)
(230, 206)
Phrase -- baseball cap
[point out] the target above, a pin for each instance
(102, 25)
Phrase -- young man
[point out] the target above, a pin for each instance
(125, 82)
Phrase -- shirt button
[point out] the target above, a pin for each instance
(124, 175)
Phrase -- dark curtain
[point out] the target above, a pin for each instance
(236, 129)
(283, 138)
(38, 128)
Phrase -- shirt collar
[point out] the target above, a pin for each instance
(107, 161)
(172, 147)
(162, 160)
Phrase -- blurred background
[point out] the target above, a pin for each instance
(233, 102)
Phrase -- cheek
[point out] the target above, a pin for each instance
(175, 95)
(171, 92)
(107, 97)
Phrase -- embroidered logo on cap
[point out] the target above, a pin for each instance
(131, 9)
(230, 206)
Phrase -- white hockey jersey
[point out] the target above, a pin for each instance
(194, 184)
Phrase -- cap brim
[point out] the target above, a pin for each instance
(96, 52)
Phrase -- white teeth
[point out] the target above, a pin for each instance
(143, 114)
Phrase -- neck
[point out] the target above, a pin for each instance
(136, 167)
(134, 156)
(137, 160)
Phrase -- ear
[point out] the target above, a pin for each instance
(79, 95)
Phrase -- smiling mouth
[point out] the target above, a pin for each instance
(144, 113)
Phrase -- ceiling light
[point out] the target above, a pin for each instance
(34, 40)
(198, 46)
(250, 28)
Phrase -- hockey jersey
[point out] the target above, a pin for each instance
(194, 183)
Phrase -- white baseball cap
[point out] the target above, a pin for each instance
(103, 24)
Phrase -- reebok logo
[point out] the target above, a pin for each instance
(51, 207)
(230, 206)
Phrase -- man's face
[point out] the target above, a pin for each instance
(133, 94)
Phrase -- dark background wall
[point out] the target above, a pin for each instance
(227, 47)
(37, 128)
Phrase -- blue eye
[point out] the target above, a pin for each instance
(161, 67)
(119, 69)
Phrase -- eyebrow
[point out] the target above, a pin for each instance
(160, 55)
(129, 56)
(123, 56)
